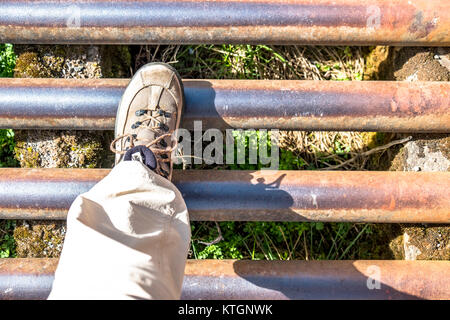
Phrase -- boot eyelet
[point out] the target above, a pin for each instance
(164, 113)
(136, 125)
(163, 143)
(140, 113)
(163, 127)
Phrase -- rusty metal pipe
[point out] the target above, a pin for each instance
(348, 22)
(239, 280)
(297, 105)
(390, 197)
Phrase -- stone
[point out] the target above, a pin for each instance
(425, 152)
(38, 239)
(62, 148)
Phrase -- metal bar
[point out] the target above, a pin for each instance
(346, 22)
(298, 105)
(239, 280)
(390, 197)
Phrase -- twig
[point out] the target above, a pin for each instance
(273, 244)
(306, 248)
(216, 240)
(369, 152)
(285, 241)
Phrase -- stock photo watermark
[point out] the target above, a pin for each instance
(373, 17)
(227, 147)
(374, 279)
(74, 19)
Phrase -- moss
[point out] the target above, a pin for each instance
(396, 247)
(35, 62)
(380, 160)
(39, 239)
(377, 63)
(63, 149)
(116, 61)
(375, 139)
(29, 65)
(398, 163)
(369, 139)
(380, 246)
(50, 149)
(57, 61)
(90, 151)
(27, 157)
(81, 150)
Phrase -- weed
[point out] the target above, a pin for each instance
(7, 148)
(299, 150)
(282, 241)
(7, 63)
(7, 243)
(7, 60)
(310, 151)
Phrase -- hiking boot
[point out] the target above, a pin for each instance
(148, 114)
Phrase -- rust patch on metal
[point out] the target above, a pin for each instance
(422, 28)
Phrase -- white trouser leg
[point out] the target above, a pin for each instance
(127, 238)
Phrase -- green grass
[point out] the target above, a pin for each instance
(226, 61)
(7, 244)
(7, 60)
(280, 240)
(273, 240)
(7, 148)
(7, 63)
(259, 61)
(248, 240)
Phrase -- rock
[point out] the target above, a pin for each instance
(78, 62)
(62, 148)
(426, 152)
(38, 239)
(426, 242)
(426, 155)
(376, 63)
(415, 64)
(419, 64)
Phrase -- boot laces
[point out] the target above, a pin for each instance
(161, 154)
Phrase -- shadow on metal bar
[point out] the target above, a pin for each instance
(225, 195)
(239, 280)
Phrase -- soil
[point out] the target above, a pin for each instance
(420, 64)
(425, 152)
(410, 64)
